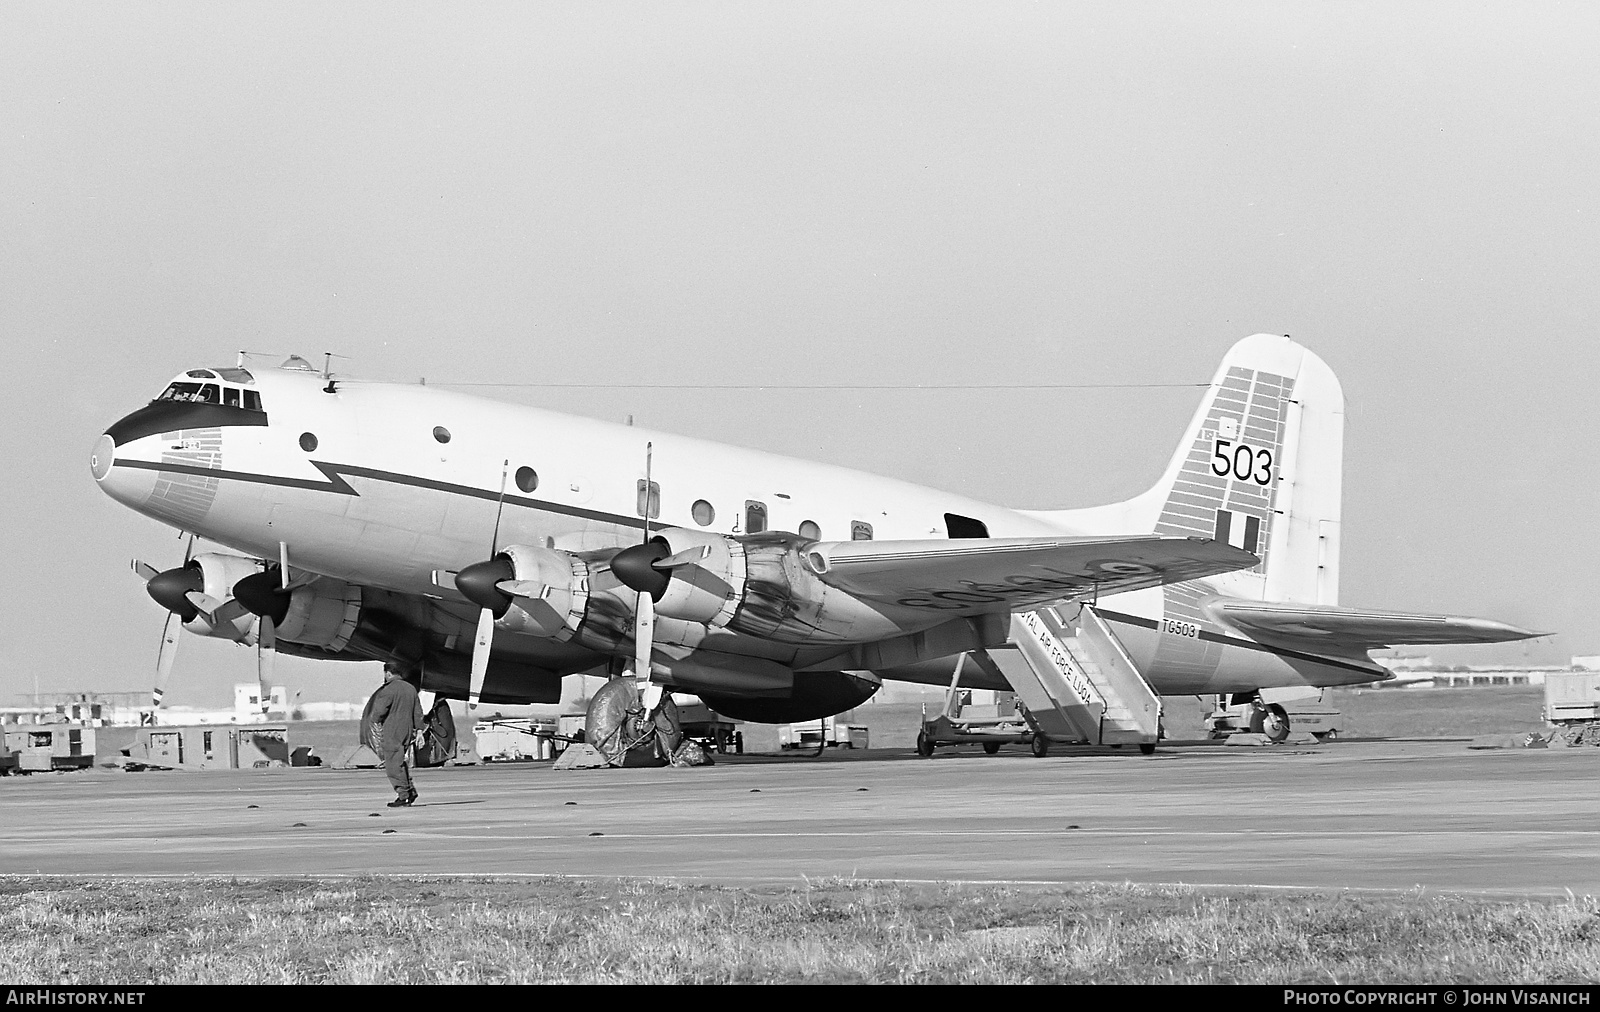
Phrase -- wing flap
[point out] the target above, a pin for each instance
(1331, 628)
(976, 575)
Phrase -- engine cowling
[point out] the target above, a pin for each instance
(760, 584)
(324, 613)
(210, 578)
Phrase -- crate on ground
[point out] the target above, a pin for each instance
(39, 748)
(1572, 697)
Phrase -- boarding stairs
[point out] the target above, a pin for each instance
(1077, 681)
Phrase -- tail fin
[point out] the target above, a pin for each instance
(1260, 467)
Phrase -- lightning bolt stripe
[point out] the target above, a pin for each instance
(337, 485)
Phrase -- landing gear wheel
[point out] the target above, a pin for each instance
(1041, 746)
(924, 746)
(618, 728)
(991, 747)
(1147, 748)
(1275, 723)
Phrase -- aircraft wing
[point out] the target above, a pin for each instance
(1356, 629)
(971, 576)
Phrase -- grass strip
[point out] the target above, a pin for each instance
(483, 930)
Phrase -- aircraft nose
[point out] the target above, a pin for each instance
(129, 486)
(100, 458)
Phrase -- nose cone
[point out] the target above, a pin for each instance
(100, 458)
(477, 584)
(171, 589)
(263, 594)
(130, 486)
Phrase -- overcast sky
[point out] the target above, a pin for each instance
(868, 193)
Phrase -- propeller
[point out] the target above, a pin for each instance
(171, 590)
(267, 595)
(477, 584)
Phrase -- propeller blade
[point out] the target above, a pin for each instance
(145, 571)
(166, 656)
(644, 628)
(524, 588)
(687, 557)
(266, 650)
(208, 607)
(481, 647)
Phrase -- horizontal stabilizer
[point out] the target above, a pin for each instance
(971, 576)
(1345, 630)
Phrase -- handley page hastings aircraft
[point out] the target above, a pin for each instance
(493, 549)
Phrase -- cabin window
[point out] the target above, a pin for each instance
(860, 530)
(957, 526)
(308, 442)
(755, 516)
(527, 479)
(441, 433)
(703, 513)
(252, 400)
(230, 396)
(810, 530)
(650, 496)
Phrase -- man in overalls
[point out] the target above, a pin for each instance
(390, 725)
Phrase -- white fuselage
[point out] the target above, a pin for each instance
(387, 486)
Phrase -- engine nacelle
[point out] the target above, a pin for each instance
(761, 584)
(324, 614)
(549, 591)
(707, 589)
(216, 577)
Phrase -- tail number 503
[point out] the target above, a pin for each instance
(1241, 461)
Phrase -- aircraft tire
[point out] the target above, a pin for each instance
(1041, 746)
(1275, 723)
(924, 746)
(991, 747)
(1147, 748)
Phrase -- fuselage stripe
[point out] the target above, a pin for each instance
(337, 485)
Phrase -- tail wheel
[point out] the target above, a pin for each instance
(1041, 746)
(1275, 723)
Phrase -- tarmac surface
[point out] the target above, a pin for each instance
(1427, 814)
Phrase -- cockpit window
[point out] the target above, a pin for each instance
(236, 375)
(201, 374)
(181, 392)
(212, 393)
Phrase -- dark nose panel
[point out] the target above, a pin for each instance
(170, 416)
(169, 588)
